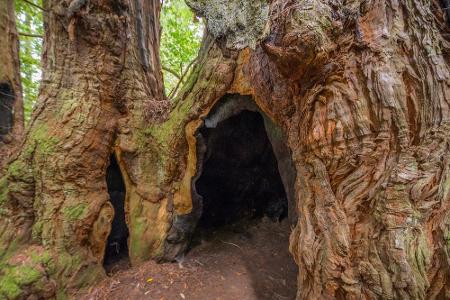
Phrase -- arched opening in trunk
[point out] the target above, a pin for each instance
(116, 250)
(240, 178)
(6, 108)
(243, 199)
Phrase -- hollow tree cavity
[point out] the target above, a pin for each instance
(244, 171)
(240, 178)
(117, 243)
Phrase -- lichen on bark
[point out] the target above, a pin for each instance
(238, 24)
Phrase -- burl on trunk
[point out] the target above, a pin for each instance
(358, 90)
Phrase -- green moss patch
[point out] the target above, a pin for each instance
(16, 277)
(16, 168)
(3, 190)
(46, 142)
(9, 288)
(75, 212)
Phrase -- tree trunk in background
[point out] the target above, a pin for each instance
(11, 104)
(360, 89)
(101, 77)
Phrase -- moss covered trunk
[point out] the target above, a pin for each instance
(358, 90)
(361, 91)
(11, 105)
(101, 77)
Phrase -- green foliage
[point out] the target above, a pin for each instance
(29, 19)
(180, 40)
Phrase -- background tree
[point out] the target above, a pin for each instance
(11, 105)
(180, 41)
(101, 77)
(30, 24)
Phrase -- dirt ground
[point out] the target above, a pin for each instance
(243, 261)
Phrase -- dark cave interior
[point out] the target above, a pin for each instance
(240, 178)
(116, 246)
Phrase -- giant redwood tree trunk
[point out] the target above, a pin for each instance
(358, 89)
(101, 80)
(11, 105)
(361, 90)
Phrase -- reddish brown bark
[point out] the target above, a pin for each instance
(360, 90)
(101, 76)
(11, 105)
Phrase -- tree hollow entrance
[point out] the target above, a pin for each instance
(117, 244)
(241, 197)
(240, 178)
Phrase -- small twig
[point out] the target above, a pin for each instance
(199, 263)
(31, 35)
(35, 5)
(171, 71)
(7, 94)
(232, 245)
(174, 91)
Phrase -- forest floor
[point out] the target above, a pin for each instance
(249, 261)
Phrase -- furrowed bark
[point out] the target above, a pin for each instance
(360, 90)
(101, 76)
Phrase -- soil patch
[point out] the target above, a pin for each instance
(247, 260)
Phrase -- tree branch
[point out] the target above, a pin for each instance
(174, 91)
(33, 4)
(171, 71)
(31, 35)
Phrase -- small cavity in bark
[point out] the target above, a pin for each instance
(116, 246)
(6, 108)
(446, 8)
(240, 178)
